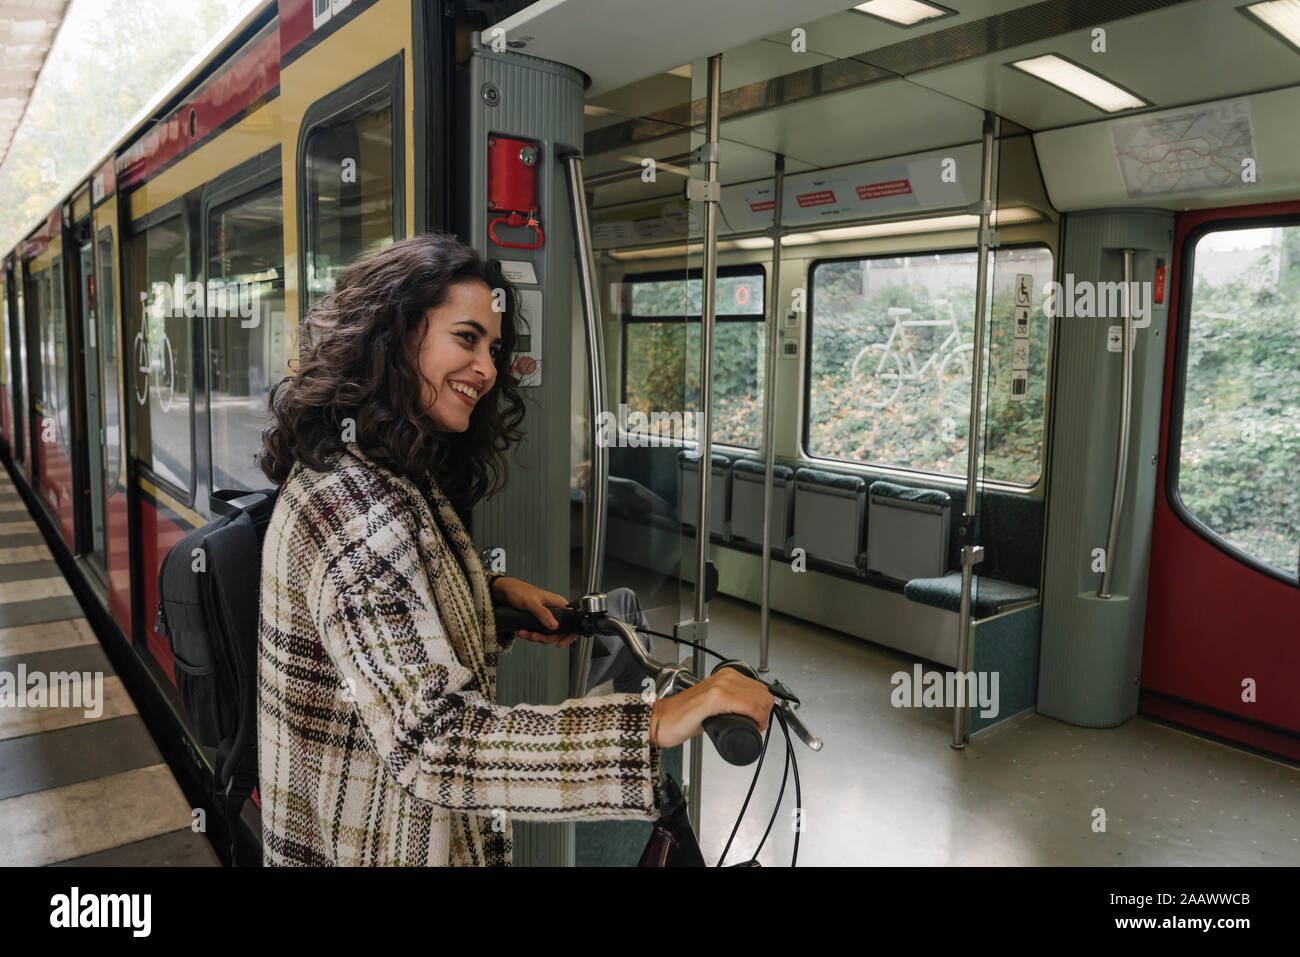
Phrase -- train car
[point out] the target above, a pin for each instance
(983, 316)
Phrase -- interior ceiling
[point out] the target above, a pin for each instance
(27, 29)
(867, 89)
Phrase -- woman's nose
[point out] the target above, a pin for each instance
(485, 368)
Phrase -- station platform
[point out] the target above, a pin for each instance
(83, 784)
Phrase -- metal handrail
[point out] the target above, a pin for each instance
(972, 554)
(704, 435)
(769, 410)
(1125, 415)
(598, 480)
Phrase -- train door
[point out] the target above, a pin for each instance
(94, 430)
(1220, 651)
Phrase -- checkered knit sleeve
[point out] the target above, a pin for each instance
(443, 742)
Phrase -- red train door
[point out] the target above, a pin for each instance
(1222, 646)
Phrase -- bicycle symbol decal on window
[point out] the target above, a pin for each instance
(878, 371)
(153, 360)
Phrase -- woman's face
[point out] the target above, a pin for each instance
(462, 338)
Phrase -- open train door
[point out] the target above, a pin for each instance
(1222, 645)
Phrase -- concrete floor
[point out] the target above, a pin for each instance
(76, 788)
(888, 789)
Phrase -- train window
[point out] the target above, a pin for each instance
(160, 354)
(48, 319)
(891, 357)
(351, 195)
(1239, 436)
(245, 316)
(108, 354)
(661, 364)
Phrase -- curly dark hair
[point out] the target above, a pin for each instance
(356, 364)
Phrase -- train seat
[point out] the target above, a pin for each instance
(907, 531)
(830, 511)
(747, 476)
(989, 596)
(630, 499)
(688, 498)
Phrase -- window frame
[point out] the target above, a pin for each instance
(626, 319)
(352, 99)
(179, 209)
(245, 181)
(1178, 391)
(1021, 488)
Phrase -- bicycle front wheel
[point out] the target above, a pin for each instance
(876, 376)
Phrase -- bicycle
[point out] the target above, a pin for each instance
(153, 360)
(884, 376)
(673, 842)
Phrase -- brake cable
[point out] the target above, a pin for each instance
(790, 760)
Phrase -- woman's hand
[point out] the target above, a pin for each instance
(675, 719)
(519, 594)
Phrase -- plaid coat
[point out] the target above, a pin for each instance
(379, 740)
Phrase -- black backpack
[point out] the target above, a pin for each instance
(208, 590)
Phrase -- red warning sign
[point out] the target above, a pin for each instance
(822, 197)
(892, 187)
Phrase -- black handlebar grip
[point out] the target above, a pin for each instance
(736, 736)
(510, 620)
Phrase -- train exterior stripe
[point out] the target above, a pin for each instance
(239, 88)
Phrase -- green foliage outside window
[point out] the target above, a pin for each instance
(1240, 453)
(662, 358)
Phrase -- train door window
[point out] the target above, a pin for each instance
(59, 339)
(159, 356)
(245, 276)
(45, 328)
(1235, 445)
(106, 306)
(891, 356)
(661, 350)
(4, 371)
(349, 166)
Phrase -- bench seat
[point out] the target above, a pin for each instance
(988, 595)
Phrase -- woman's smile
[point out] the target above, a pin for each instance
(465, 392)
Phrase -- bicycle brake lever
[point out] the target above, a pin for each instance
(800, 729)
(781, 691)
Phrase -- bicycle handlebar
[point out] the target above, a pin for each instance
(736, 736)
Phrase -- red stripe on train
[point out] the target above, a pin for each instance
(241, 82)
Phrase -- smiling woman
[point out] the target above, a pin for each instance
(379, 737)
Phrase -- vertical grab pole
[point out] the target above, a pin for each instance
(1121, 454)
(769, 408)
(972, 554)
(598, 480)
(704, 419)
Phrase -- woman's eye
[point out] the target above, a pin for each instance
(467, 336)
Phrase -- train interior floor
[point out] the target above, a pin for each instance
(78, 785)
(887, 789)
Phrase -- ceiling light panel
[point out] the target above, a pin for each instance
(904, 13)
(1281, 17)
(1073, 79)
